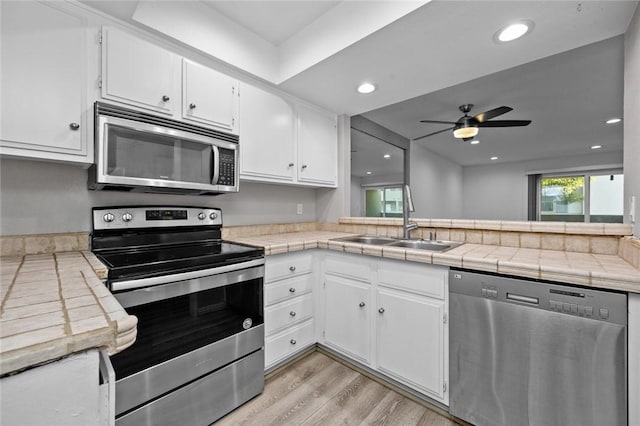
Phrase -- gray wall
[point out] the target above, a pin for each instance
(631, 114)
(436, 184)
(39, 197)
(499, 191)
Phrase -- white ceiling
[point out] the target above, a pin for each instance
(441, 49)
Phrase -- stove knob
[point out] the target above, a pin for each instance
(213, 216)
(201, 216)
(127, 217)
(108, 217)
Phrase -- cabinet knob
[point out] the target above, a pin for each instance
(291, 164)
(381, 310)
(192, 106)
(293, 341)
(165, 98)
(74, 126)
(304, 166)
(292, 290)
(362, 304)
(292, 268)
(292, 313)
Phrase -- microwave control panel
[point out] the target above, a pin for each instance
(227, 164)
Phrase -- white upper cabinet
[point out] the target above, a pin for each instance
(317, 147)
(282, 142)
(267, 150)
(209, 96)
(43, 82)
(138, 73)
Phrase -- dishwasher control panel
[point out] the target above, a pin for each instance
(600, 305)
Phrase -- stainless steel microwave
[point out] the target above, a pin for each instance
(140, 152)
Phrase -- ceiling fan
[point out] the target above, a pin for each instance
(467, 127)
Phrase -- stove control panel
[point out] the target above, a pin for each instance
(154, 217)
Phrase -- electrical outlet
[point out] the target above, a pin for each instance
(299, 209)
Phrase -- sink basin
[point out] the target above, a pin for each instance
(433, 245)
(366, 239)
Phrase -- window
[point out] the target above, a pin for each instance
(383, 202)
(579, 197)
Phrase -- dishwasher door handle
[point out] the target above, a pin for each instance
(524, 299)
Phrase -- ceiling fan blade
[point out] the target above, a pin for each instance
(436, 121)
(505, 123)
(434, 133)
(488, 115)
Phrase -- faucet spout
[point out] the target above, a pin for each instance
(407, 207)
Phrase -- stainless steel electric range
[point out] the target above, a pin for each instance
(199, 352)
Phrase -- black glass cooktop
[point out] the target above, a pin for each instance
(136, 263)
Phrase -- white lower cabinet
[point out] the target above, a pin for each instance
(390, 316)
(289, 305)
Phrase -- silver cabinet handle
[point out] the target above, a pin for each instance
(292, 313)
(381, 310)
(293, 341)
(292, 268)
(74, 126)
(192, 106)
(304, 166)
(165, 98)
(362, 304)
(292, 290)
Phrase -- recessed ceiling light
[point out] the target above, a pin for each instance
(596, 147)
(613, 120)
(494, 158)
(368, 173)
(366, 88)
(387, 156)
(474, 142)
(513, 31)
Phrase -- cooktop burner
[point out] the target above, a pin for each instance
(144, 242)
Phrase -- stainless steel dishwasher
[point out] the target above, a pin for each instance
(534, 353)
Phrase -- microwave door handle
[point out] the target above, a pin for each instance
(215, 159)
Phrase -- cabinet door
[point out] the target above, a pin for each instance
(267, 143)
(347, 307)
(410, 340)
(137, 72)
(317, 148)
(43, 82)
(208, 96)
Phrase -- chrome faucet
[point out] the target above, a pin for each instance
(407, 207)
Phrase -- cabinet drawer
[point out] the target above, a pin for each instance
(429, 280)
(287, 313)
(349, 266)
(288, 342)
(288, 265)
(287, 289)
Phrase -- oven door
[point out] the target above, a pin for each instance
(187, 330)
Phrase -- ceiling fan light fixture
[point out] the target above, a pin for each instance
(365, 88)
(513, 31)
(465, 132)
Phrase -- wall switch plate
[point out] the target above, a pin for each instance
(299, 209)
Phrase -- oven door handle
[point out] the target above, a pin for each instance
(165, 279)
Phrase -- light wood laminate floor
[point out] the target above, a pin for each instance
(317, 390)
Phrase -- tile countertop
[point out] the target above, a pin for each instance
(54, 305)
(593, 270)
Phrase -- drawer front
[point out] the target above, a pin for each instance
(287, 289)
(429, 280)
(350, 266)
(288, 342)
(287, 265)
(287, 313)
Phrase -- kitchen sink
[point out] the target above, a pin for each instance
(433, 245)
(367, 239)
